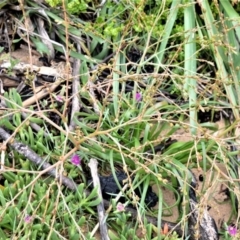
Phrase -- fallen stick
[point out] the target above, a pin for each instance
(23, 67)
(42, 93)
(100, 207)
(76, 105)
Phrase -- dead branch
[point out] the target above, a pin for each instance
(75, 89)
(101, 211)
(42, 93)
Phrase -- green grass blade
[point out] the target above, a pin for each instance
(167, 31)
(219, 56)
(190, 85)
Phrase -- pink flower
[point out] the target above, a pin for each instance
(75, 160)
(232, 230)
(138, 97)
(120, 207)
(59, 98)
(28, 219)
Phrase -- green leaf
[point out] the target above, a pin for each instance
(82, 221)
(6, 123)
(94, 203)
(2, 235)
(166, 32)
(40, 46)
(2, 199)
(112, 235)
(93, 193)
(3, 3)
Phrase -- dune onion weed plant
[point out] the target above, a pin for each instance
(149, 89)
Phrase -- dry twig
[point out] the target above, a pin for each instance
(101, 211)
(75, 90)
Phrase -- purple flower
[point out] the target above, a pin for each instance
(75, 160)
(28, 219)
(232, 230)
(120, 207)
(59, 98)
(138, 97)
